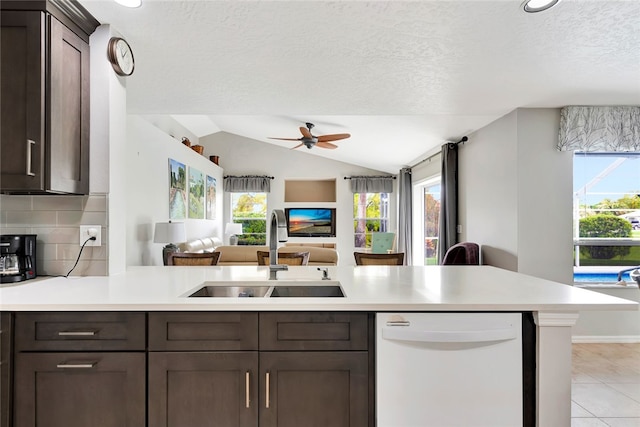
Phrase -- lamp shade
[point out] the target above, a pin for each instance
(169, 232)
(233, 228)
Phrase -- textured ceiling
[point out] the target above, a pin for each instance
(401, 76)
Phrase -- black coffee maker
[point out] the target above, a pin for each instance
(17, 257)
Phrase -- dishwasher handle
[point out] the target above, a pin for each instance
(420, 335)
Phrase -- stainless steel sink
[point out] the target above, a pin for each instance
(268, 288)
(307, 291)
(231, 291)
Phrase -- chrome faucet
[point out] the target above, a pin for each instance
(277, 233)
(325, 273)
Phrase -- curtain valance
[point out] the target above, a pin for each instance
(371, 184)
(604, 129)
(247, 184)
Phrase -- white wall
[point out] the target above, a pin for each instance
(516, 194)
(545, 197)
(109, 144)
(243, 156)
(147, 176)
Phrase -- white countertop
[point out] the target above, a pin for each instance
(370, 288)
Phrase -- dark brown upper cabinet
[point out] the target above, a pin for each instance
(44, 134)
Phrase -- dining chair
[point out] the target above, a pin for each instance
(366, 258)
(289, 258)
(464, 253)
(190, 258)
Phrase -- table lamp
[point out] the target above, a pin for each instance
(169, 232)
(232, 230)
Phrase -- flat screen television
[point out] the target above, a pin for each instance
(311, 222)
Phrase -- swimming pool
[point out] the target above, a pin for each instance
(599, 277)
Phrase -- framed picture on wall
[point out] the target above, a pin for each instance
(177, 190)
(196, 194)
(211, 198)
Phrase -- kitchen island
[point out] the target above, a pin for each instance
(372, 289)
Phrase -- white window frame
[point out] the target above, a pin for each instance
(419, 216)
(386, 218)
(231, 205)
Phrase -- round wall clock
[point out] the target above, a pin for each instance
(121, 56)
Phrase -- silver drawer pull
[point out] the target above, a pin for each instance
(76, 365)
(247, 402)
(267, 397)
(30, 143)
(398, 323)
(76, 333)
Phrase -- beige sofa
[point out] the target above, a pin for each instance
(206, 244)
(247, 255)
(319, 253)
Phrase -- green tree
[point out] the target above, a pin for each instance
(251, 205)
(620, 206)
(604, 225)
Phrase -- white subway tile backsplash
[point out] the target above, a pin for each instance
(84, 268)
(29, 218)
(56, 221)
(70, 252)
(58, 203)
(70, 235)
(45, 251)
(15, 203)
(82, 218)
(95, 203)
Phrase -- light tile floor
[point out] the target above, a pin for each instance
(605, 385)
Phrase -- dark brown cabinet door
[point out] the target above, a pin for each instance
(314, 389)
(44, 136)
(203, 389)
(68, 139)
(79, 389)
(22, 115)
(6, 367)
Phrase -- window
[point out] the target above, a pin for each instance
(250, 210)
(606, 210)
(426, 222)
(370, 215)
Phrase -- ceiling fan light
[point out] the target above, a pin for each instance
(534, 6)
(129, 3)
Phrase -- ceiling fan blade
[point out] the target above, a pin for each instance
(334, 137)
(285, 139)
(305, 132)
(323, 144)
(297, 146)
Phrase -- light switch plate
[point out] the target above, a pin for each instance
(87, 231)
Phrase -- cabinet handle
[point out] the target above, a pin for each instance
(246, 389)
(76, 333)
(76, 365)
(267, 390)
(30, 143)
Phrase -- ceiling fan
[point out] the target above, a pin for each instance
(309, 140)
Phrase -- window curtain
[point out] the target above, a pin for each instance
(405, 210)
(371, 184)
(448, 200)
(592, 129)
(247, 184)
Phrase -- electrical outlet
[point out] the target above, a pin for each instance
(87, 231)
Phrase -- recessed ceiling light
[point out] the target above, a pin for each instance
(533, 6)
(129, 3)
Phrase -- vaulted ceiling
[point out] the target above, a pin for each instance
(402, 77)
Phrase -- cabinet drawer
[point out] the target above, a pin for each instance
(313, 331)
(79, 331)
(203, 331)
(75, 389)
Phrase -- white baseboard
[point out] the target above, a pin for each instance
(619, 339)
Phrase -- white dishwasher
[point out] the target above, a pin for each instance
(449, 369)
